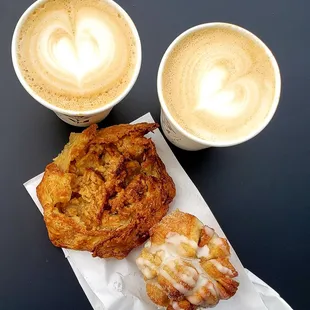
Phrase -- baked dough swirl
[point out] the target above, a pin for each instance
(186, 265)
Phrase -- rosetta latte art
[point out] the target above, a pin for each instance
(81, 51)
(218, 84)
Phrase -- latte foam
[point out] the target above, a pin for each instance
(218, 84)
(77, 54)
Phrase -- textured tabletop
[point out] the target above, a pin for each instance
(259, 191)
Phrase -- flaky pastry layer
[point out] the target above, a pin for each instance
(105, 190)
(186, 264)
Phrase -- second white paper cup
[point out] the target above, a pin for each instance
(183, 139)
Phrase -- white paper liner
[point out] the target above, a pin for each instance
(118, 285)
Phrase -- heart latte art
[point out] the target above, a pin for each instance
(218, 84)
(77, 54)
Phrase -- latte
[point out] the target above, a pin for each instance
(77, 54)
(219, 84)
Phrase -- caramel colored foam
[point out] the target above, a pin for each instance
(218, 84)
(77, 54)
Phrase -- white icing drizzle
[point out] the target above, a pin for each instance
(174, 283)
(217, 241)
(194, 299)
(142, 261)
(221, 268)
(146, 267)
(176, 239)
(198, 283)
(176, 242)
(209, 231)
(172, 246)
(203, 275)
(200, 293)
(203, 251)
(175, 305)
(147, 272)
(197, 295)
(190, 276)
(171, 264)
(212, 288)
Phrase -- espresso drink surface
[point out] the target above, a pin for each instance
(77, 54)
(218, 84)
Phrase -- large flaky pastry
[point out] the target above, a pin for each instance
(105, 190)
(186, 264)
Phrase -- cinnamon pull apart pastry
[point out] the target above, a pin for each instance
(186, 264)
(105, 190)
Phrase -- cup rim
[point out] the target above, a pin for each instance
(54, 108)
(277, 84)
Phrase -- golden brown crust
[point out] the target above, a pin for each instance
(176, 222)
(187, 262)
(105, 190)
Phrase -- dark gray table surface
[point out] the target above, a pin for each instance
(259, 191)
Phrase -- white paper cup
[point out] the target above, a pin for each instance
(185, 140)
(77, 118)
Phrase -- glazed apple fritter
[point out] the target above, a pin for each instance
(105, 190)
